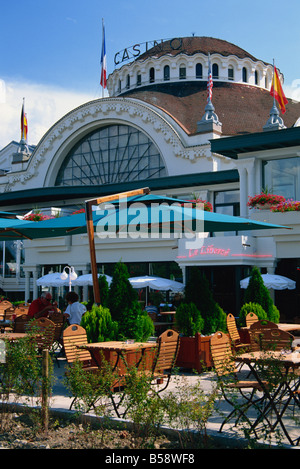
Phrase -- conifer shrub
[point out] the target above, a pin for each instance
(257, 292)
(197, 291)
(188, 319)
(247, 308)
(99, 325)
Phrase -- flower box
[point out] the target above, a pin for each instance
(194, 353)
(265, 201)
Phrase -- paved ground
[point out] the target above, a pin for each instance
(61, 401)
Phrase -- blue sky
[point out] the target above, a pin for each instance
(50, 50)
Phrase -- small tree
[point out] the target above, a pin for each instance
(257, 292)
(99, 325)
(188, 319)
(125, 308)
(197, 291)
(104, 290)
(251, 308)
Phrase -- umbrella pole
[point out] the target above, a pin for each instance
(90, 231)
(91, 236)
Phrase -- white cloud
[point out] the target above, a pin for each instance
(44, 106)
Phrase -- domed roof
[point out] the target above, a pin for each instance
(240, 108)
(195, 44)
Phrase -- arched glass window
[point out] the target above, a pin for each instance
(215, 71)
(199, 71)
(119, 86)
(256, 77)
(127, 82)
(138, 79)
(245, 77)
(112, 154)
(182, 72)
(230, 73)
(166, 72)
(152, 75)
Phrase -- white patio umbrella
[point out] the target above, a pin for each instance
(52, 280)
(277, 282)
(156, 283)
(87, 279)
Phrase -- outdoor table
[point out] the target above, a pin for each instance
(279, 397)
(11, 336)
(122, 355)
(288, 327)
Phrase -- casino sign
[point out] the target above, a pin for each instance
(132, 52)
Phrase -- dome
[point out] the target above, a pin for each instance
(196, 44)
(172, 75)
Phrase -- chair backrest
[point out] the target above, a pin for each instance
(167, 351)
(269, 337)
(73, 336)
(19, 310)
(5, 304)
(59, 321)
(232, 329)
(250, 319)
(47, 330)
(221, 354)
(21, 323)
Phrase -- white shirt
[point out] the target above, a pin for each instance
(75, 312)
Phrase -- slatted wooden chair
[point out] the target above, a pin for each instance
(21, 322)
(228, 378)
(234, 334)
(161, 370)
(165, 359)
(20, 310)
(251, 318)
(265, 335)
(74, 336)
(45, 330)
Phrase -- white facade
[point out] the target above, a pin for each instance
(188, 165)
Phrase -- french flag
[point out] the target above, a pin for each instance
(103, 59)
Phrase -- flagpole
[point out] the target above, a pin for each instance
(274, 100)
(102, 51)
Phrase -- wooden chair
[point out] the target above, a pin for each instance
(227, 373)
(45, 333)
(74, 336)
(251, 318)
(162, 367)
(20, 310)
(234, 334)
(265, 335)
(21, 322)
(166, 355)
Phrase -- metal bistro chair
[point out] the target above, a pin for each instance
(234, 334)
(227, 373)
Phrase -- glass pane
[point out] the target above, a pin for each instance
(282, 177)
(112, 154)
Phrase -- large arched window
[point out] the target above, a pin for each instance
(112, 154)
(215, 71)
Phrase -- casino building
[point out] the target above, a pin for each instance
(157, 129)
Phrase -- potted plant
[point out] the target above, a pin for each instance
(287, 206)
(192, 351)
(202, 204)
(264, 200)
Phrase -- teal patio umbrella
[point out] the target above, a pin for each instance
(130, 213)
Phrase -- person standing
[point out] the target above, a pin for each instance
(75, 310)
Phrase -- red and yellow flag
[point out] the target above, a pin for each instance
(24, 124)
(277, 91)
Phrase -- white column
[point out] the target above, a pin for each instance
(243, 191)
(27, 285)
